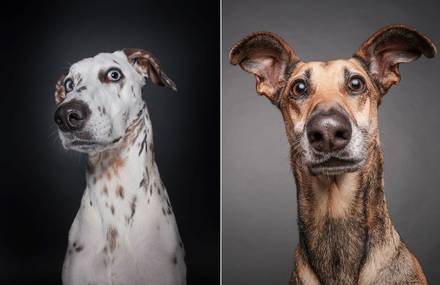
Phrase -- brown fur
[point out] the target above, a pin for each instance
(149, 66)
(60, 93)
(345, 233)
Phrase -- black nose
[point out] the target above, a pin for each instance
(328, 130)
(72, 116)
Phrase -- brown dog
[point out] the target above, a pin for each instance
(331, 119)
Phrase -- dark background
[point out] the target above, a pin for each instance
(259, 196)
(41, 184)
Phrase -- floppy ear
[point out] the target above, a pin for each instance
(390, 46)
(268, 57)
(60, 93)
(149, 67)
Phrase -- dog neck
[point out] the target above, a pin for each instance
(123, 179)
(341, 218)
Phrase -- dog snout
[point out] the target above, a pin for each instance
(72, 116)
(328, 130)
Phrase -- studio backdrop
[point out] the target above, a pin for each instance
(259, 195)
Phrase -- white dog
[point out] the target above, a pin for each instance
(125, 231)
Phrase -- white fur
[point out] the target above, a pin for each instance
(146, 248)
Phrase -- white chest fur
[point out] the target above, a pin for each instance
(125, 230)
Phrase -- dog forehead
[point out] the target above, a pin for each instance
(101, 61)
(331, 67)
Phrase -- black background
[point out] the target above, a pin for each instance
(42, 184)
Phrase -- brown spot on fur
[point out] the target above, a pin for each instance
(60, 93)
(112, 235)
(79, 248)
(117, 163)
(112, 209)
(105, 190)
(102, 76)
(133, 209)
(120, 192)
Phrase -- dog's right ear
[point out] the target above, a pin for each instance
(60, 93)
(268, 57)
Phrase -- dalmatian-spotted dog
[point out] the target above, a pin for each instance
(125, 231)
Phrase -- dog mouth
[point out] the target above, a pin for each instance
(89, 145)
(335, 166)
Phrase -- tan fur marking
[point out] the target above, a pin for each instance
(334, 195)
(378, 259)
(304, 273)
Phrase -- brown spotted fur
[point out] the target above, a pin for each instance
(345, 232)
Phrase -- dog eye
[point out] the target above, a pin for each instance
(114, 75)
(299, 89)
(68, 85)
(356, 84)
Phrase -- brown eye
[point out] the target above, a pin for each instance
(356, 84)
(299, 89)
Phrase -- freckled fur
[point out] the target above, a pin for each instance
(114, 232)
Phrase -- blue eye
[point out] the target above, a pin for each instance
(68, 85)
(114, 75)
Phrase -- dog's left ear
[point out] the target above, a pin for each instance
(149, 67)
(387, 48)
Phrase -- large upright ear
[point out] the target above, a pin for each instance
(148, 66)
(268, 57)
(387, 48)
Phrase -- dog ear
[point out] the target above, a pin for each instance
(60, 93)
(149, 67)
(387, 48)
(268, 57)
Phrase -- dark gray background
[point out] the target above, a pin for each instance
(41, 184)
(259, 198)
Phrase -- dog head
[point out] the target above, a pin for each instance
(99, 97)
(330, 108)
